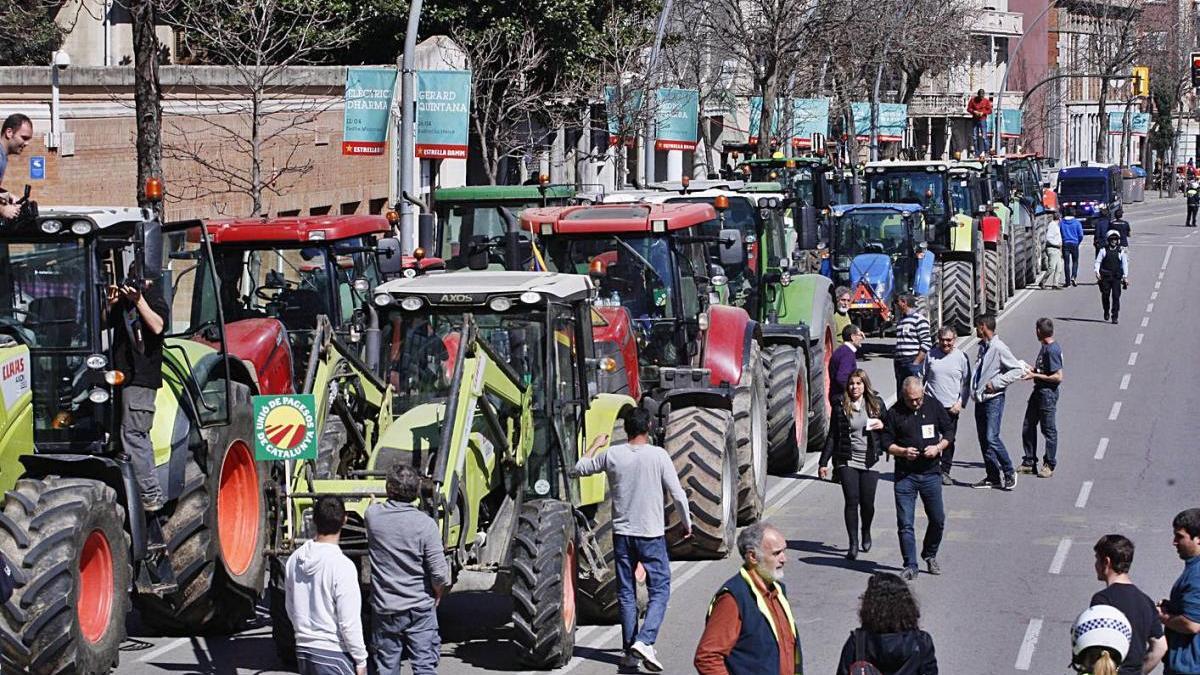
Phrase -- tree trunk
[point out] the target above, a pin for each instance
(255, 157)
(1102, 118)
(769, 88)
(147, 95)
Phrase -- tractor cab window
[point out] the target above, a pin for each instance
(463, 223)
(910, 187)
(292, 285)
(865, 231)
(43, 293)
(965, 195)
(568, 390)
(804, 185)
(740, 216)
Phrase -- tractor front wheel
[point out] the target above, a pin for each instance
(787, 407)
(701, 445)
(750, 433)
(67, 547)
(543, 583)
(958, 295)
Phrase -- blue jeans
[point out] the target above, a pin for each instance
(1070, 261)
(411, 634)
(651, 552)
(979, 134)
(905, 368)
(1041, 409)
(929, 487)
(988, 415)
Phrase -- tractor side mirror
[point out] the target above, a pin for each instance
(810, 234)
(150, 236)
(733, 251)
(477, 253)
(390, 260)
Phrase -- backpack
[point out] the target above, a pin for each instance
(861, 665)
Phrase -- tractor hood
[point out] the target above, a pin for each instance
(874, 269)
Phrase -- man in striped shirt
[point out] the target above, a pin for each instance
(913, 341)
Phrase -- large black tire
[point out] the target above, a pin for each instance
(1022, 256)
(1010, 263)
(597, 598)
(67, 547)
(787, 407)
(819, 410)
(331, 446)
(543, 583)
(700, 442)
(958, 294)
(750, 434)
(220, 566)
(994, 288)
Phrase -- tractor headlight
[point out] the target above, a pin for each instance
(411, 303)
(52, 226)
(81, 227)
(500, 304)
(96, 361)
(383, 299)
(531, 297)
(98, 396)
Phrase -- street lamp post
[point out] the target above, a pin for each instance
(408, 113)
(647, 105)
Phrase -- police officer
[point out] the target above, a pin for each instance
(1193, 201)
(1112, 273)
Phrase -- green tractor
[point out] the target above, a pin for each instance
(476, 219)
(794, 310)
(73, 528)
(494, 404)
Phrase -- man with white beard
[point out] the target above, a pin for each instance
(750, 622)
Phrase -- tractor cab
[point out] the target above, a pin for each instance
(276, 276)
(951, 203)
(475, 220)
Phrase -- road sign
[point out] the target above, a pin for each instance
(1196, 69)
(37, 167)
(1140, 81)
(285, 427)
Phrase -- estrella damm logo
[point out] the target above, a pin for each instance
(285, 427)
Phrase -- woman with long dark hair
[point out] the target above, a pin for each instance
(890, 637)
(853, 445)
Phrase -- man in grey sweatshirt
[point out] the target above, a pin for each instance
(323, 599)
(638, 474)
(995, 369)
(409, 574)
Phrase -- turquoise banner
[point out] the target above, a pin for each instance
(1139, 122)
(1011, 122)
(622, 110)
(367, 110)
(443, 113)
(676, 119)
(893, 120)
(809, 116)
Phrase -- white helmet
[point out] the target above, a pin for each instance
(1102, 626)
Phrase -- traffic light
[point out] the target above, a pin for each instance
(1196, 69)
(1140, 84)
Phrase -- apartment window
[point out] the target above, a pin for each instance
(349, 208)
(293, 213)
(320, 210)
(1000, 50)
(376, 206)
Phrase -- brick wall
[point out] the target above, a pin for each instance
(103, 170)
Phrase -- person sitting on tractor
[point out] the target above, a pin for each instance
(136, 312)
(418, 362)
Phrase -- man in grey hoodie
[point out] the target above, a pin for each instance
(323, 599)
(995, 369)
(409, 574)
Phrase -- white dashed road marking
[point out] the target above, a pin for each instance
(1060, 556)
(1101, 448)
(1138, 340)
(1150, 308)
(1145, 321)
(1167, 257)
(1154, 295)
(1133, 358)
(1028, 644)
(1084, 491)
(1116, 410)
(1125, 381)
(150, 656)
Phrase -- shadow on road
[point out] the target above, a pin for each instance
(831, 556)
(1075, 319)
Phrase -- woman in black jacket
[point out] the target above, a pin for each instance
(890, 638)
(853, 444)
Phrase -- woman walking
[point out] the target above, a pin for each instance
(890, 638)
(853, 444)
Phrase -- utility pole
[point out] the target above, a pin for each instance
(408, 113)
(648, 98)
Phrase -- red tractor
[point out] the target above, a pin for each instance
(696, 365)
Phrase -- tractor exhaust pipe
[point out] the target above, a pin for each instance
(371, 339)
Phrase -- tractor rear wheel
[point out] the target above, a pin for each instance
(68, 551)
(1023, 253)
(787, 407)
(543, 584)
(995, 283)
(750, 433)
(818, 389)
(216, 533)
(700, 442)
(958, 294)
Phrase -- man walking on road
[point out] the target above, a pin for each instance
(1042, 407)
(1112, 275)
(916, 431)
(750, 626)
(913, 341)
(638, 474)
(1053, 256)
(1071, 231)
(323, 599)
(408, 577)
(948, 381)
(1180, 615)
(1114, 556)
(995, 369)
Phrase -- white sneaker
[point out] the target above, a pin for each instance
(649, 658)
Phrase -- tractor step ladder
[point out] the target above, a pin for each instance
(156, 575)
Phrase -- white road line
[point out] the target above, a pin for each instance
(1060, 556)
(1133, 358)
(1116, 410)
(1154, 295)
(1138, 340)
(1028, 644)
(1145, 321)
(1101, 448)
(1157, 285)
(1167, 257)
(150, 656)
(782, 485)
(1161, 275)
(1150, 308)
(1084, 491)
(1125, 381)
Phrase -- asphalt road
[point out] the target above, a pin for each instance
(1017, 566)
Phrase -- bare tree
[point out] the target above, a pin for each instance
(258, 41)
(691, 61)
(147, 95)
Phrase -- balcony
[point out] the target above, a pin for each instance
(951, 105)
(991, 22)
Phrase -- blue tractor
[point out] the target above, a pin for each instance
(881, 251)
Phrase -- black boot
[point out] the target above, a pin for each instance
(866, 541)
(852, 549)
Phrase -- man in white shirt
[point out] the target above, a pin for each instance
(1054, 252)
(638, 473)
(323, 599)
